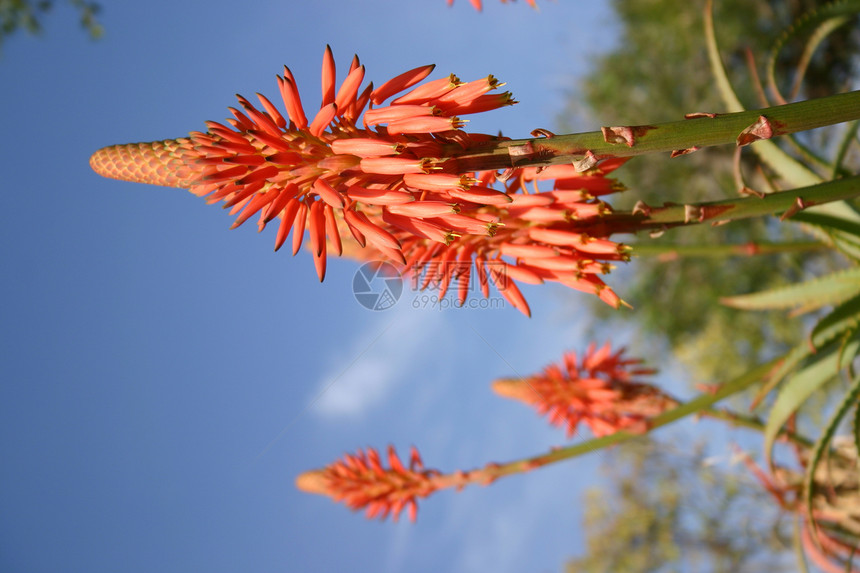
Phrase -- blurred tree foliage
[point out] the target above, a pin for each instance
(659, 71)
(662, 512)
(28, 15)
(670, 511)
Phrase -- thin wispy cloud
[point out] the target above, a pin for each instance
(362, 377)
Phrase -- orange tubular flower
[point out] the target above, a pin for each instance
(511, 237)
(361, 482)
(262, 162)
(360, 165)
(599, 390)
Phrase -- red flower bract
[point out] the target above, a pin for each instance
(361, 482)
(598, 390)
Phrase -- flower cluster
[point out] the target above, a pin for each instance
(361, 482)
(384, 182)
(527, 238)
(598, 390)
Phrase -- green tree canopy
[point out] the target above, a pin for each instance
(28, 15)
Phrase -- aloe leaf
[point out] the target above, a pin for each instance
(844, 317)
(802, 567)
(811, 294)
(848, 245)
(847, 139)
(842, 227)
(787, 363)
(770, 153)
(855, 428)
(829, 222)
(782, 163)
(823, 442)
(821, 21)
(820, 33)
(801, 386)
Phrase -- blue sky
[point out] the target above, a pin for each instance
(165, 379)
